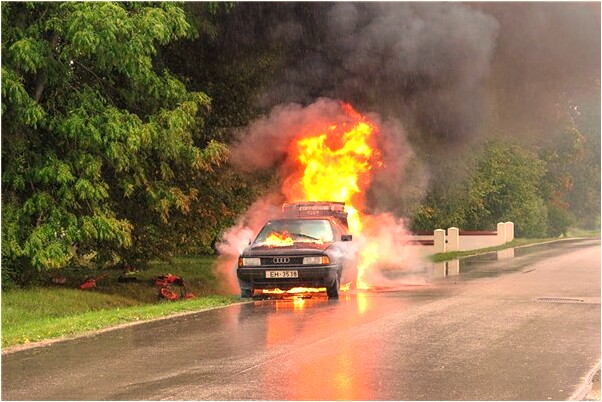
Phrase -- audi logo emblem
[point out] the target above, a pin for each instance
(281, 260)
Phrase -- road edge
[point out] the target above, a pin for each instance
(585, 388)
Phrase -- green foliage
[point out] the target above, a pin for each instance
(97, 142)
(504, 186)
(438, 210)
(233, 73)
(559, 220)
(238, 58)
(571, 185)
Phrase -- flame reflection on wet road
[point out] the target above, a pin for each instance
(341, 373)
(294, 327)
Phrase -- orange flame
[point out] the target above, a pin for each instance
(293, 290)
(276, 239)
(284, 239)
(336, 163)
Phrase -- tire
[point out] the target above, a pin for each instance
(246, 293)
(333, 290)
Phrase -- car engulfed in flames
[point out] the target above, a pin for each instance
(331, 156)
(304, 247)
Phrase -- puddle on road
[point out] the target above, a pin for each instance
(501, 262)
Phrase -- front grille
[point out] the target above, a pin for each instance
(308, 277)
(281, 261)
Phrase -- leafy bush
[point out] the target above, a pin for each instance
(559, 220)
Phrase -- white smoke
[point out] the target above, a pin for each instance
(240, 235)
(397, 261)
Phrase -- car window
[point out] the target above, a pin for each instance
(299, 229)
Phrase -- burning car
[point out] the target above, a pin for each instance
(305, 247)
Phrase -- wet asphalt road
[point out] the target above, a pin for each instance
(522, 327)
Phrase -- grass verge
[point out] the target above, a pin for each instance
(576, 232)
(46, 311)
(19, 327)
(452, 255)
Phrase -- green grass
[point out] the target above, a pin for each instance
(452, 255)
(576, 232)
(579, 233)
(49, 311)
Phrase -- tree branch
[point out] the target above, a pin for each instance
(41, 81)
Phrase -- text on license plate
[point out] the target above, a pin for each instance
(281, 274)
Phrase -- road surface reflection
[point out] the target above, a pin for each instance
(338, 374)
(288, 325)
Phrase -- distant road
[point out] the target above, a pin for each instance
(522, 328)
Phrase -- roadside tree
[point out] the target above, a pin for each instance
(506, 187)
(99, 146)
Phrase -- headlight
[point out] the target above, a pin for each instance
(318, 260)
(248, 262)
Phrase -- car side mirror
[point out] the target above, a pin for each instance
(346, 237)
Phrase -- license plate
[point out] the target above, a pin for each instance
(281, 274)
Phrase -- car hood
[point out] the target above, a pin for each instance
(295, 249)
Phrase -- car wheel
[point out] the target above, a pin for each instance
(246, 293)
(333, 291)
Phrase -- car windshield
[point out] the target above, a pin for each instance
(300, 230)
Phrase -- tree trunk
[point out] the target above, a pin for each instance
(41, 81)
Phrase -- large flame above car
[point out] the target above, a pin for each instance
(336, 163)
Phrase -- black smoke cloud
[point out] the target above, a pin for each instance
(442, 76)
(547, 57)
(423, 63)
(451, 72)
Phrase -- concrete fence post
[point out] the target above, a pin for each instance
(501, 233)
(509, 231)
(453, 239)
(439, 237)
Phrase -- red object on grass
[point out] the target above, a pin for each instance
(89, 284)
(165, 280)
(167, 293)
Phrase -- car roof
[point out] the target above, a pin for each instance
(332, 219)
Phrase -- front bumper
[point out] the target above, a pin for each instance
(309, 276)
